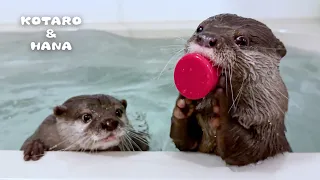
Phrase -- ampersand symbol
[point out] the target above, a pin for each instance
(50, 34)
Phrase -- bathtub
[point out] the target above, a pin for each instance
(167, 165)
(294, 31)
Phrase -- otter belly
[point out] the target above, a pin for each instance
(208, 140)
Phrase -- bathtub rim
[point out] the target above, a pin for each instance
(138, 30)
(191, 165)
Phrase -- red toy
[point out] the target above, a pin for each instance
(194, 76)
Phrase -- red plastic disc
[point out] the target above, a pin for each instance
(194, 76)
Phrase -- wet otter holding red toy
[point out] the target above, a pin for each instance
(232, 99)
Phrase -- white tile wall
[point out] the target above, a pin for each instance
(157, 10)
(181, 10)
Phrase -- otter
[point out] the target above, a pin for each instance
(243, 119)
(91, 123)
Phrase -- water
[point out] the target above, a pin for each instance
(33, 82)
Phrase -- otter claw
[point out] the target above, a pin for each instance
(34, 150)
(184, 108)
(222, 82)
(222, 100)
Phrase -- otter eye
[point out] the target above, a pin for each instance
(199, 29)
(241, 41)
(119, 113)
(86, 118)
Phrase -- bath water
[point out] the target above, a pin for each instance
(33, 82)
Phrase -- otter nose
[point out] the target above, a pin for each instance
(206, 41)
(110, 124)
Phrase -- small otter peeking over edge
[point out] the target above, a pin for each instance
(86, 123)
(242, 120)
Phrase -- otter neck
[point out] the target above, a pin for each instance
(264, 98)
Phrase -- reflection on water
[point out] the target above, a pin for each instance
(33, 82)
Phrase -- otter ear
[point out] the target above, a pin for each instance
(124, 103)
(281, 49)
(59, 110)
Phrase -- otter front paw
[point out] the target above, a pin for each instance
(183, 109)
(34, 150)
(221, 106)
(184, 126)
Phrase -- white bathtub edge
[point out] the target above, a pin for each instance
(160, 165)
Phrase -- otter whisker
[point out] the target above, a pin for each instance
(174, 48)
(92, 145)
(180, 38)
(267, 48)
(140, 139)
(139, 136)
(139, 117)
(253, 97)
(225, 72)
(129, 141)
(231, 89)
(139, 133)
(135, 144)
(75, 143)
(288, 98)
(65, 139)
(172, 45)
(125, 143)
(176, 54)
(238, 95)
(86, 143)
(277, 105)
(121, 146)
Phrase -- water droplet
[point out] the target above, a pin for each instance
(184, 91)
(183, 70)
(190, 69)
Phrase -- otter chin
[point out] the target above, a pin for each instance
(248, 54)
(86, 123)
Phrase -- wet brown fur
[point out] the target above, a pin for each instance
(49, 136)
(254, 128)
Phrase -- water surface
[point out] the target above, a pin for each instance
(34, 82)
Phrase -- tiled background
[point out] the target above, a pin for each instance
(157, 10)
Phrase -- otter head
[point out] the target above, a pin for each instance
(248, 54)
(92, 122)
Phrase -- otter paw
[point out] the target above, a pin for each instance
(220, 102)
(221, 108)
(34, 150)
(183, 109)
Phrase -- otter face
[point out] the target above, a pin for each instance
(92, 122)
(237, 44)
(248, 54)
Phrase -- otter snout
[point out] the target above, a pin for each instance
(206, 40)
(109, 124)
